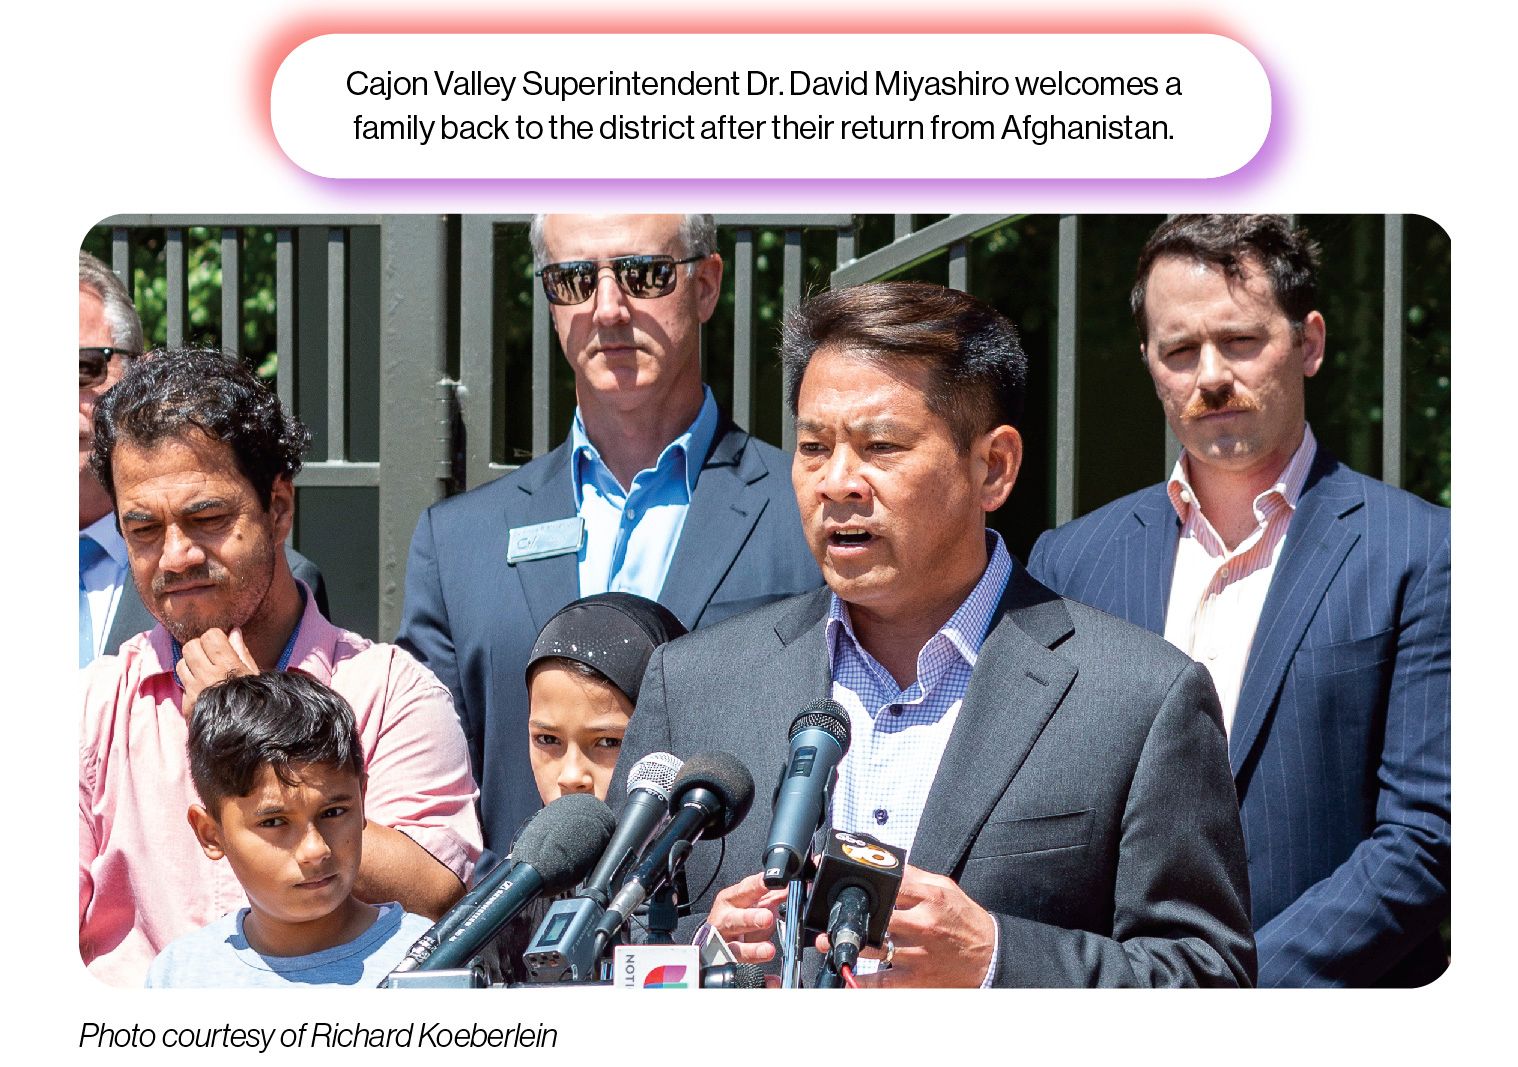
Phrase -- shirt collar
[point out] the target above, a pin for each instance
(312, 649)
(1288, 484)
(689, 451)
(966, 629)
(104, 533)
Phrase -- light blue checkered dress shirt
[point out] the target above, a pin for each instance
(897, 736)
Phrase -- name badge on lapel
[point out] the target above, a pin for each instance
(545, 539)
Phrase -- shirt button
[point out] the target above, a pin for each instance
(1212, 653)
(1185, 496)
(881, 815)
(632, 514)
(1224, 572)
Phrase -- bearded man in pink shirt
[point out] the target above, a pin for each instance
(199, 460)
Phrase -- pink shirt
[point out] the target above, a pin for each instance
(143, 880)
(1216, 595)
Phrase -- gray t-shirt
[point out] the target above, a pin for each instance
(218, 956)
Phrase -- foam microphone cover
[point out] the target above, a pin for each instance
(725, 775)
(563, 841)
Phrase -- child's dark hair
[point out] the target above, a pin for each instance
(282, 720)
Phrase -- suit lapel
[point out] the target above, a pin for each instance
(1016, 685)
(723, 511)
(548, 584)
(1149, 553)
(1315, 548)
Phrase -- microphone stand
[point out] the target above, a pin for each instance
(664, 905)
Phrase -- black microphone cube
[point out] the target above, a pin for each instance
(850, 859)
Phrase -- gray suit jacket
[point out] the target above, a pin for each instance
(133, 617)
(1084, 797)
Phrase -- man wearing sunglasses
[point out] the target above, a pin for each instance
(656, 491)
(110, 337)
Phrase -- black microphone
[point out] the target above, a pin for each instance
(564, 947)
(451, 920)
(711, 796)
(648, 794)
(553, 852)
(853, 893)
(819, 738)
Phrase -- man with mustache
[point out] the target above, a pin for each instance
(110, 337)
(198, 458)
(1317, 598)
(656, 492)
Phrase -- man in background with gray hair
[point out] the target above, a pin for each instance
(110, 336)
(656, 492)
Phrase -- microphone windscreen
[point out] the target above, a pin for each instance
(826, 715)
(655, 772)
(748, 976)
(563, 841)
(725, 775)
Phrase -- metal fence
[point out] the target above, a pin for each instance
(402, 343)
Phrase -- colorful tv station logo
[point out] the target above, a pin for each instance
(669, 976)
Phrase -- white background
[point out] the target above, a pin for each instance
(156, 108)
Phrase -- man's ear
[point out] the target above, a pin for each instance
(1002, 452)
(708, 279)
(1314, 343)
(207, 832)
(282, 507)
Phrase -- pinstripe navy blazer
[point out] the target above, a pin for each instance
(1340, 744)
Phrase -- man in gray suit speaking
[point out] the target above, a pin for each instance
(1059, 777)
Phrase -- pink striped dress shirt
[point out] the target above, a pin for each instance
(1216, 595)
(143, 880)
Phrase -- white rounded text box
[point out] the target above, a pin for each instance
(770, 106)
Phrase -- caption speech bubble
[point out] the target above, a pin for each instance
(771, 106)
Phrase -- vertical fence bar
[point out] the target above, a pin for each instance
(477, 344)
(337, 344)
(901, 226)
(846, 244)
(176, 297)
(1393, 369)
(1066, 371)
(231, 290)
(284, 315)
(121, 261)
(790, 297)
(542, 365)
(413, 359)
(959, 266)
(743, 327)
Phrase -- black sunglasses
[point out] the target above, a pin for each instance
(94, 363)
(644, 277)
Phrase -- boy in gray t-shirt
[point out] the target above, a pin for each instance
(276, 761)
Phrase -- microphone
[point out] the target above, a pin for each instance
(711, 796)
(648, 786)
(563, 947)
(853, 893)
(553, 852)
(819, 738)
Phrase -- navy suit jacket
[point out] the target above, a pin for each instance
(472, 617)
(1340, 741)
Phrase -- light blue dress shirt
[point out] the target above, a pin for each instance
(631, 534)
